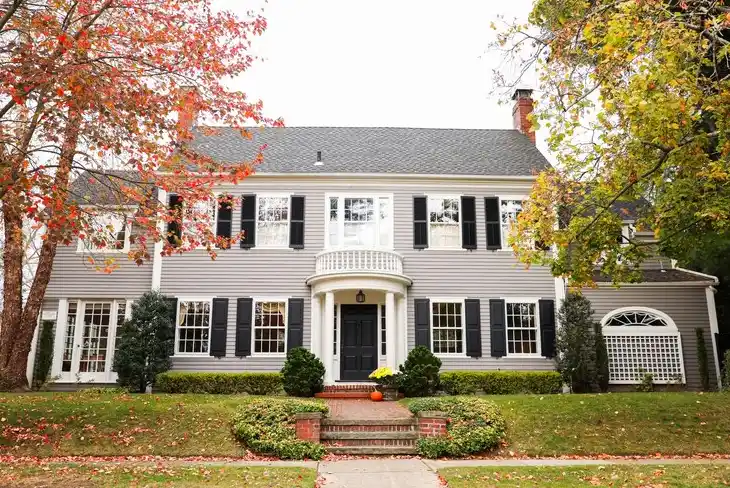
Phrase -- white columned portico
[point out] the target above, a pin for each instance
(316, 328)
(328, 335)
(390, 332)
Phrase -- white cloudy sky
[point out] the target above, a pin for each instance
(403, 63)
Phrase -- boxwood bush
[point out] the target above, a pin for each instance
(219, 383)
(501, 382)
(475, 425)
(267, 426)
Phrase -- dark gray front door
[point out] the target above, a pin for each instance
(359, 349)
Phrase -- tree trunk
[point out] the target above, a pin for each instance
(19, 323)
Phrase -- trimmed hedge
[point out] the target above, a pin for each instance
(501, 382)
(475, 425)
(268, 426)
(219, 383)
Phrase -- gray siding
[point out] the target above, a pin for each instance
(686, 305)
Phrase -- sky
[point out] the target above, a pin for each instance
(392, 63)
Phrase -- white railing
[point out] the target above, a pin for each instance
(633, 353)
(358, 260)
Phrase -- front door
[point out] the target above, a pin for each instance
(359, 349)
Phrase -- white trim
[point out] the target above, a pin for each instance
(259, 196)
(560, 294)
(714, 329)
(666, 318)
(460, 300)
(61, 319)
(340, 196)
(657, 284)
(697, 273)
(444, 196)
(180, 299)
(527, 178)
(159, 244)
(30, 363)
(266, 299)
(533, 301)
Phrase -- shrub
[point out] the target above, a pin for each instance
(702, 361)
(420, 373)
(501, 382)
(475, 425)
(146, 342)
(267, 426)
(647, 383)
(575, 344)
(726, 371)
(219, 383)
(303, 373)
(44, 359)
(602, 372)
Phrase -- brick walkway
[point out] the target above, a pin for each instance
(366, 410)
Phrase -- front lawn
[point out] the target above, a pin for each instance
(676, 476)
(113, 475)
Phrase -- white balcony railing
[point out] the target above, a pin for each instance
(358, 261)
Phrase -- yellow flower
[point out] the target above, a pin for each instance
(381, 373)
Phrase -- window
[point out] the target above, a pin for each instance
(360, 221)
(193, 327)
(199, 218)
(68, 342)
(110, 234)
(95, 339)
(635, 318)
(272, 227)
(121, 317)
(337, 307)
(627, 234)
(509, 210)
(444, 228)
(383, 347)
(269, 328)
(447, 330)
(522, 328)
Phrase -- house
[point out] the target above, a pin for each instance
(361, 243)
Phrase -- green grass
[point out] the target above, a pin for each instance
(114, 475)
(655, 476)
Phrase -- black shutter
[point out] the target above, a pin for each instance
(248, 221)
(224, 226)
(420, 223)
(219, 327)
(473, 328)
(173, 310)
(173, 228)
(295, 324)
(494, 226)
(296, 223)
(468, 223)
(422, 307)
(547, 327)
(244, 312)
(497, 330)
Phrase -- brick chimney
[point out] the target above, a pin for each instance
(523, 107)
(187, 114)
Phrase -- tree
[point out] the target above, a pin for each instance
(575, 344)
(89, 85)
(635, 101)
(145, 342)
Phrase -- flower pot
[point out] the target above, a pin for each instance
(390, 393)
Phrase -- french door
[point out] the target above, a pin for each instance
(89, 338)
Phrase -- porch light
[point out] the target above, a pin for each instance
(360, 297)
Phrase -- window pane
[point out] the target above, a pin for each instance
(270, 327)
(444, 222)
(521, 328)
(193, 324)
(448, 335)
(272, 228)
(509, 210)
(386, 223)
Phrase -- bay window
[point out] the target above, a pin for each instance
(444, 229)
(360, 221)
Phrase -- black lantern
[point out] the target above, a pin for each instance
(360, 297)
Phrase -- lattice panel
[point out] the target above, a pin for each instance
(632, 356)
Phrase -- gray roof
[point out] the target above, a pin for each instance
(659, 276)
(377, 150)
(103, 187)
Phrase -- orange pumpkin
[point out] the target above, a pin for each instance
(376, 396)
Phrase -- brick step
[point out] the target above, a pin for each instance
(343, 394)
(370, 442)
(360, 387)
(373, 425)
(373, 450)
(369, 435)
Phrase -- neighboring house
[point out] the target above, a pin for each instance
(361, 243)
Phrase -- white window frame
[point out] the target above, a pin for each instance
(503, 236)
(442, 196)
(85, 247)
(259, 196)
(341, 219)
(208, 299)
(671, 327)
(462, 301)
(253, 326)
(522, 300)
(214, 224)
